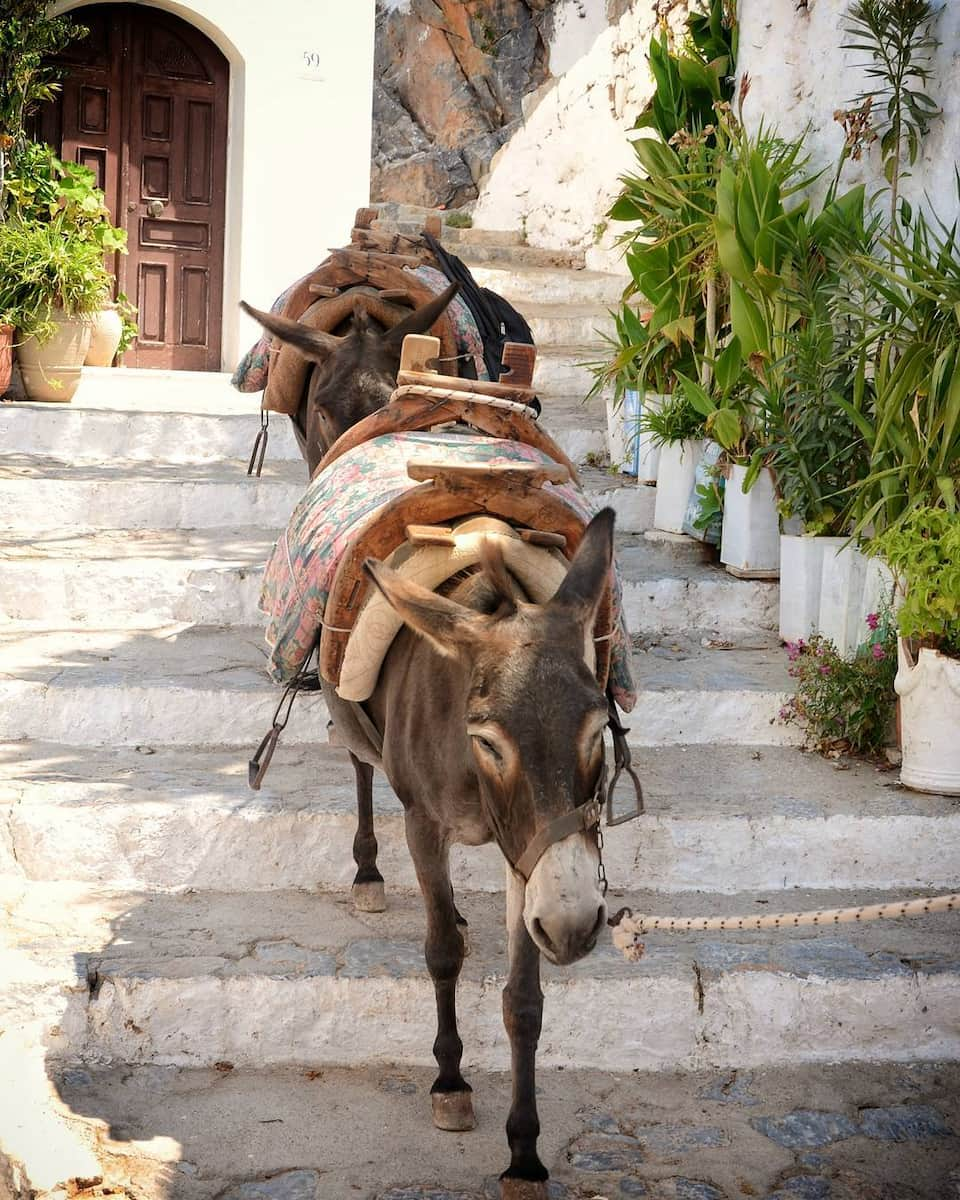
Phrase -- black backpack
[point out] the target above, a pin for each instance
(497, 320)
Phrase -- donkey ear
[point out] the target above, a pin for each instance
(448, 626)
(311, 343)
(421, 319)
(583, 587)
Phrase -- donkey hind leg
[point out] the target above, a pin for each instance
(368, 893)
(526, 1177)
(444, 952)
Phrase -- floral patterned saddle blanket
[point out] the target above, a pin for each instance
(343, 503)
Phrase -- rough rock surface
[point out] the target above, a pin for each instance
(450, 81)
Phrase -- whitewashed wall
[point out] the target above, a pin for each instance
(558, 174)
(298, 156)
(800, 76)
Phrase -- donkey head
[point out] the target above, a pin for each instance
(532, 723)
(355, 374)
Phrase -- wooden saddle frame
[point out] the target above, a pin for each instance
(424, 399)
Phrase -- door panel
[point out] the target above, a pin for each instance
(144, 105)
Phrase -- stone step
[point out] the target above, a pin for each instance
(197, 685)
(809, 1131)
(42, 495)
(485, 255)
(562, 370)
(141, 579)
(106, 428)
(455, 238)
(524, 286)
(300, 979)
(569, 325)
(719, 819)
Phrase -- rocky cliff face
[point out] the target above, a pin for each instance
(450, 78)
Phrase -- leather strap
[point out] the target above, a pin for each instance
(371, 732)
(583, 818)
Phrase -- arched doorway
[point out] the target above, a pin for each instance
(144, 104)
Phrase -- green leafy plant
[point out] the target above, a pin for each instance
(43, 188)
(668, 202)
(28, 39)
(129, 328)
(725, 413)
(924, 554)
(458, 220)
(898, 37)
(844, 704)
(673, 420)
(42, 267)
(912, 426)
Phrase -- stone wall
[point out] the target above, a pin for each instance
(450, 78)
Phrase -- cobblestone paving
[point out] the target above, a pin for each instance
(852, 1132)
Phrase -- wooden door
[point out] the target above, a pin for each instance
(144, 104)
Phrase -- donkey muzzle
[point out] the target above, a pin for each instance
(564, 909)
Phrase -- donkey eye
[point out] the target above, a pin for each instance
(487, 747)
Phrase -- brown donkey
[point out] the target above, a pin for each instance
(492, 726)
(489, 726)
(353, 375)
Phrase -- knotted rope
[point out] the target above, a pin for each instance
(627, 928)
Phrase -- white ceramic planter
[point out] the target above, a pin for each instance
(929, 691)
(632, 452)
(675, 478)
(841, 594)
(801, 568)
(52, 371)
(750, 545)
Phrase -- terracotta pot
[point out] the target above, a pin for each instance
(929, 691)
(106, 327)
(51, 371)
(6, 356)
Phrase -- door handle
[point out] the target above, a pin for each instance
(154, 208)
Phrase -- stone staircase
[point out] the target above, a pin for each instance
(177, 947)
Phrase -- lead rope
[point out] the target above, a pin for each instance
(627, 928)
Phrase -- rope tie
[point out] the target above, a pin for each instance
(627, 928)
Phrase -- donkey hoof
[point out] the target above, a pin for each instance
(523, 1189)
(369, 897)
(453, 1111)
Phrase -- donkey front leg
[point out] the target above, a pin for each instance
(368, 893)
(444, 951)
(525, 1178)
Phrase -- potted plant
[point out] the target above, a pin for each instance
(834, 358)
(677, 429)
(53, 247)
(50, 281)
(669, 247)
(923, 551)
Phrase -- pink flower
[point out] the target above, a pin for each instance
(824, 670)
(873, 620)
(879, 653)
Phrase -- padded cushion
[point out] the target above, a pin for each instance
(539, 571)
